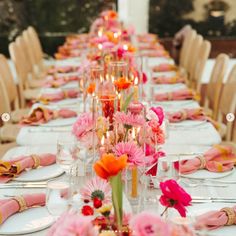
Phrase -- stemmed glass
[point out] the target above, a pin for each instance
(58, 197)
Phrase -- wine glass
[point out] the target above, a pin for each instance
(58, 197)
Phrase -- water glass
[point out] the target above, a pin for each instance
(67, 152)
(168, 168)
(58, 197)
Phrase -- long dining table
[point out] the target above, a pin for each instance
(185, 138)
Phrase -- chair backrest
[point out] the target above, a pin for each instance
(21, 70)
(7, 77)
(36, 44)
(200, 63)
(228, 101)
(185, 51)
(29, 49)
(194, 52)
(5, 103)
(216, 81)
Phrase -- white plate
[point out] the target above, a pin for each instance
(199, 209)
(60, 122)
(66, 101)
(29, 221)
(41, 173)
(205, 174)
(188, 123)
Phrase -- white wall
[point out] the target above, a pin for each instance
(134, 12)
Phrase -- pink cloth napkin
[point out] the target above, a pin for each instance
(54, 97)
(41, 115)
(9, 207)
(183, 94)
(218, 159)
(62, 69)
(12, 168)
(55, 82)
(168, 80)
(156, 53)
(164, 67)
(186, 114)
(212, 220)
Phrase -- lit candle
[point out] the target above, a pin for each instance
(134, 173)
(136, 89)
(120, 100)
(102, 148)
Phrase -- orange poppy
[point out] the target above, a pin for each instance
(109, 165)
(122, 83)
(91, 88)
(112, 14)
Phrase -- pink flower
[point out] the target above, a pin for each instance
(174, 196)
(83, 125)
(129, 119)
(135, 154)
(98, 188)
(156, 113)
(149, 224)
(108, 45)
(144, 79)
(73, 224)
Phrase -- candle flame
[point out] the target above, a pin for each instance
(125, 47)
(103, 140)
(133, 134)
(100, 33)
(136, 81)
(115, 35)
(101, 78)
(100, 46)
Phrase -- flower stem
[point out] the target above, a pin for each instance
(164, 211)
(126, 134)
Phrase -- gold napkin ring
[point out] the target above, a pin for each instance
(169, 96)
(230, 214)
(36, 161)
(21, 201)
(202, 162)
(184, 114)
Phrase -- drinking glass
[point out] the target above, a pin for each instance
(168, 168)
(58, 197)
(67, 152)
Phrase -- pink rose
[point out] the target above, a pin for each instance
(174, 196)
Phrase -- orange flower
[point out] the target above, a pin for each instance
(112, 14)
(91, 88)
(122, 83)
(109, 165)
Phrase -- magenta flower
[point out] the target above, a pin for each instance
(149, 224)
(129, 119)
(174, 196)
(134, 153)
(98, 188)
(156, 113)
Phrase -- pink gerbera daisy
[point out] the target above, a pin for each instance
(129, 119)
(135, 154)
(98, 188)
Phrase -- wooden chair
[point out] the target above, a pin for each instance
(194, 54)
(10, 91)
(200, 62)
(5, 147)
(227, 103)
(37, 47)
(8, 132)
(20, 63)
(33, 80)
(214, 87)
(185, 52)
